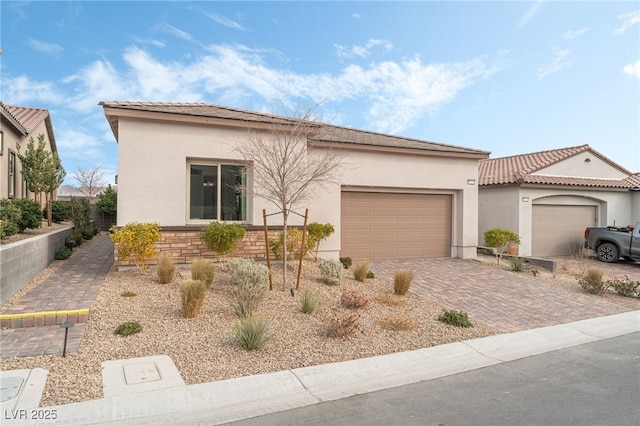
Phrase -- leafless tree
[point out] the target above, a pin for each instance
(91, 181)
(285, 171)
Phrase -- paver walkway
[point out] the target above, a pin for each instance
(505, 300)
(31, 326)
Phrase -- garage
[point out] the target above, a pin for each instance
(557, 230)
(395, 226)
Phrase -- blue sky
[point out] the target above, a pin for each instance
(506, 77)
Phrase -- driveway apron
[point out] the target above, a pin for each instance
(505, 300)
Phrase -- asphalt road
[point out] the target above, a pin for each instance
(593, 384)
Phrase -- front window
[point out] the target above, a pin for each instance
(12, 174)
(217, 192)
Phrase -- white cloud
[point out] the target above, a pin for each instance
(224, 21)
(559, 63)
(628, 20)
(362, 51)
(533, 9)
(571, 34)
(177, 32)
(44, 47)
(633, 69)
(22, 90)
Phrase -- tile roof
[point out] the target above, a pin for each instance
(26, 119)
(519, 169)
(326, 133)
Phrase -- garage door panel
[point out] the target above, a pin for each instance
(557, 230)
(400, 225)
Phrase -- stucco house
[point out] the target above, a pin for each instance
(19, 124)
(550, 197)
(398, 198)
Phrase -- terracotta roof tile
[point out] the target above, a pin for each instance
(518, 169)
(327, 133)
(28, 119)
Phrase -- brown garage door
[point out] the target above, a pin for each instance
(559, 230)
(395, 226)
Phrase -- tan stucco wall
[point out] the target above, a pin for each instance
(583, 165)
(152, 179)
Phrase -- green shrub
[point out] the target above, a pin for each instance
(402, 281)
(252, 281)
(30, 214)
(60, 211)
(361, 270)
(166, 268)
(222, 237)
(192, 295)
(457, 318)
(518, 264)
(591, 281)
(10, 216)
(128, 294)
(203, 271)
(128, 328)
(343, 326)
(88, 233)
(252, 333)
(80, 213)
(353, 300)
(346, 262)
(626, 287)
(294, 243)
(63, 253)
(499, 238)
(309, 301)
(69, 242)
(370, 274)
(318, 232)
(331, 271)
(76, 237)
(137, 241)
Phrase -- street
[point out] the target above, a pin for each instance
(592, 384)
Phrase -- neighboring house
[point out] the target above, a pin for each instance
(550, 197)
(396, 197)
(19, 124)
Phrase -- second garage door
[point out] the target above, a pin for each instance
(558, 230)
(395, 226)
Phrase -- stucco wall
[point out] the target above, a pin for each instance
(152, 180)
(584, 165)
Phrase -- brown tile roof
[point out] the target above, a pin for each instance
(326, 133)
(519, 169)
(26, 119)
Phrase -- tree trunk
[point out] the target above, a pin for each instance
(285, 254)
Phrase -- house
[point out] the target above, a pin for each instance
(398, 198)
(19, 124)
(550, 197)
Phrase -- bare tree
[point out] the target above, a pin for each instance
(284, 170)
(91, 181)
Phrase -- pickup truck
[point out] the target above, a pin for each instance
(611, 243)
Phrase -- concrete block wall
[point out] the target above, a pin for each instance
(23, 260)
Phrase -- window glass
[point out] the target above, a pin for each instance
(232, 194)
(217, 192)
(203, 196)
(12, 174)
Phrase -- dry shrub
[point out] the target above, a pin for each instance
(591, 281)
(192, 295)
(389, 299)
(397, 322)
(166, 269)
(203, 271)
(343, 326)
(353, 300)
(360, 271)
(402, 281)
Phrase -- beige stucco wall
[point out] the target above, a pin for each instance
(583, 165)
(152, 179)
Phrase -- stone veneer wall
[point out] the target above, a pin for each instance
(185, 245)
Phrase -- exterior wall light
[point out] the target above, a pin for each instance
(471, 181)
(525, 199)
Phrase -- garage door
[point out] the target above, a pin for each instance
(559, 230)
(395, 226)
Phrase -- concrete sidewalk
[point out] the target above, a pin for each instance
(247, 397)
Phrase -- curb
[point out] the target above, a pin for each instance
(41, 319)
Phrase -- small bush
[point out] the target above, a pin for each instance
(360, 271)
(390, 299)
(69, 242)
(128, 294)
(346, 262)
(316, 233)
(63, 253)
(499, 239)
(138, 242)
(203, 271)
(626, 287)
(222, 237)
(591, 281)
(9, 218)
(370, 274)
(518, 264)
(60, 211)
(397, 322)
(88, 233)
(252, 280)
(402, 281)
(309, 301)
(457, 318)
(128, 328)
(192, 295)
(294, 243)
(30, 213)
(331, 271)
(252, 333)
(76, 236)
(353, 300)
(343, 326)
(166, 268)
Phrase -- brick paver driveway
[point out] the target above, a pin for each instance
(505, 300)
(619, 269)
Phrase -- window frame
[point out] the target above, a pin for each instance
(12, 171)
(219, 213)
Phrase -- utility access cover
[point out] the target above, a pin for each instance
(10, 387)
(141, 373)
